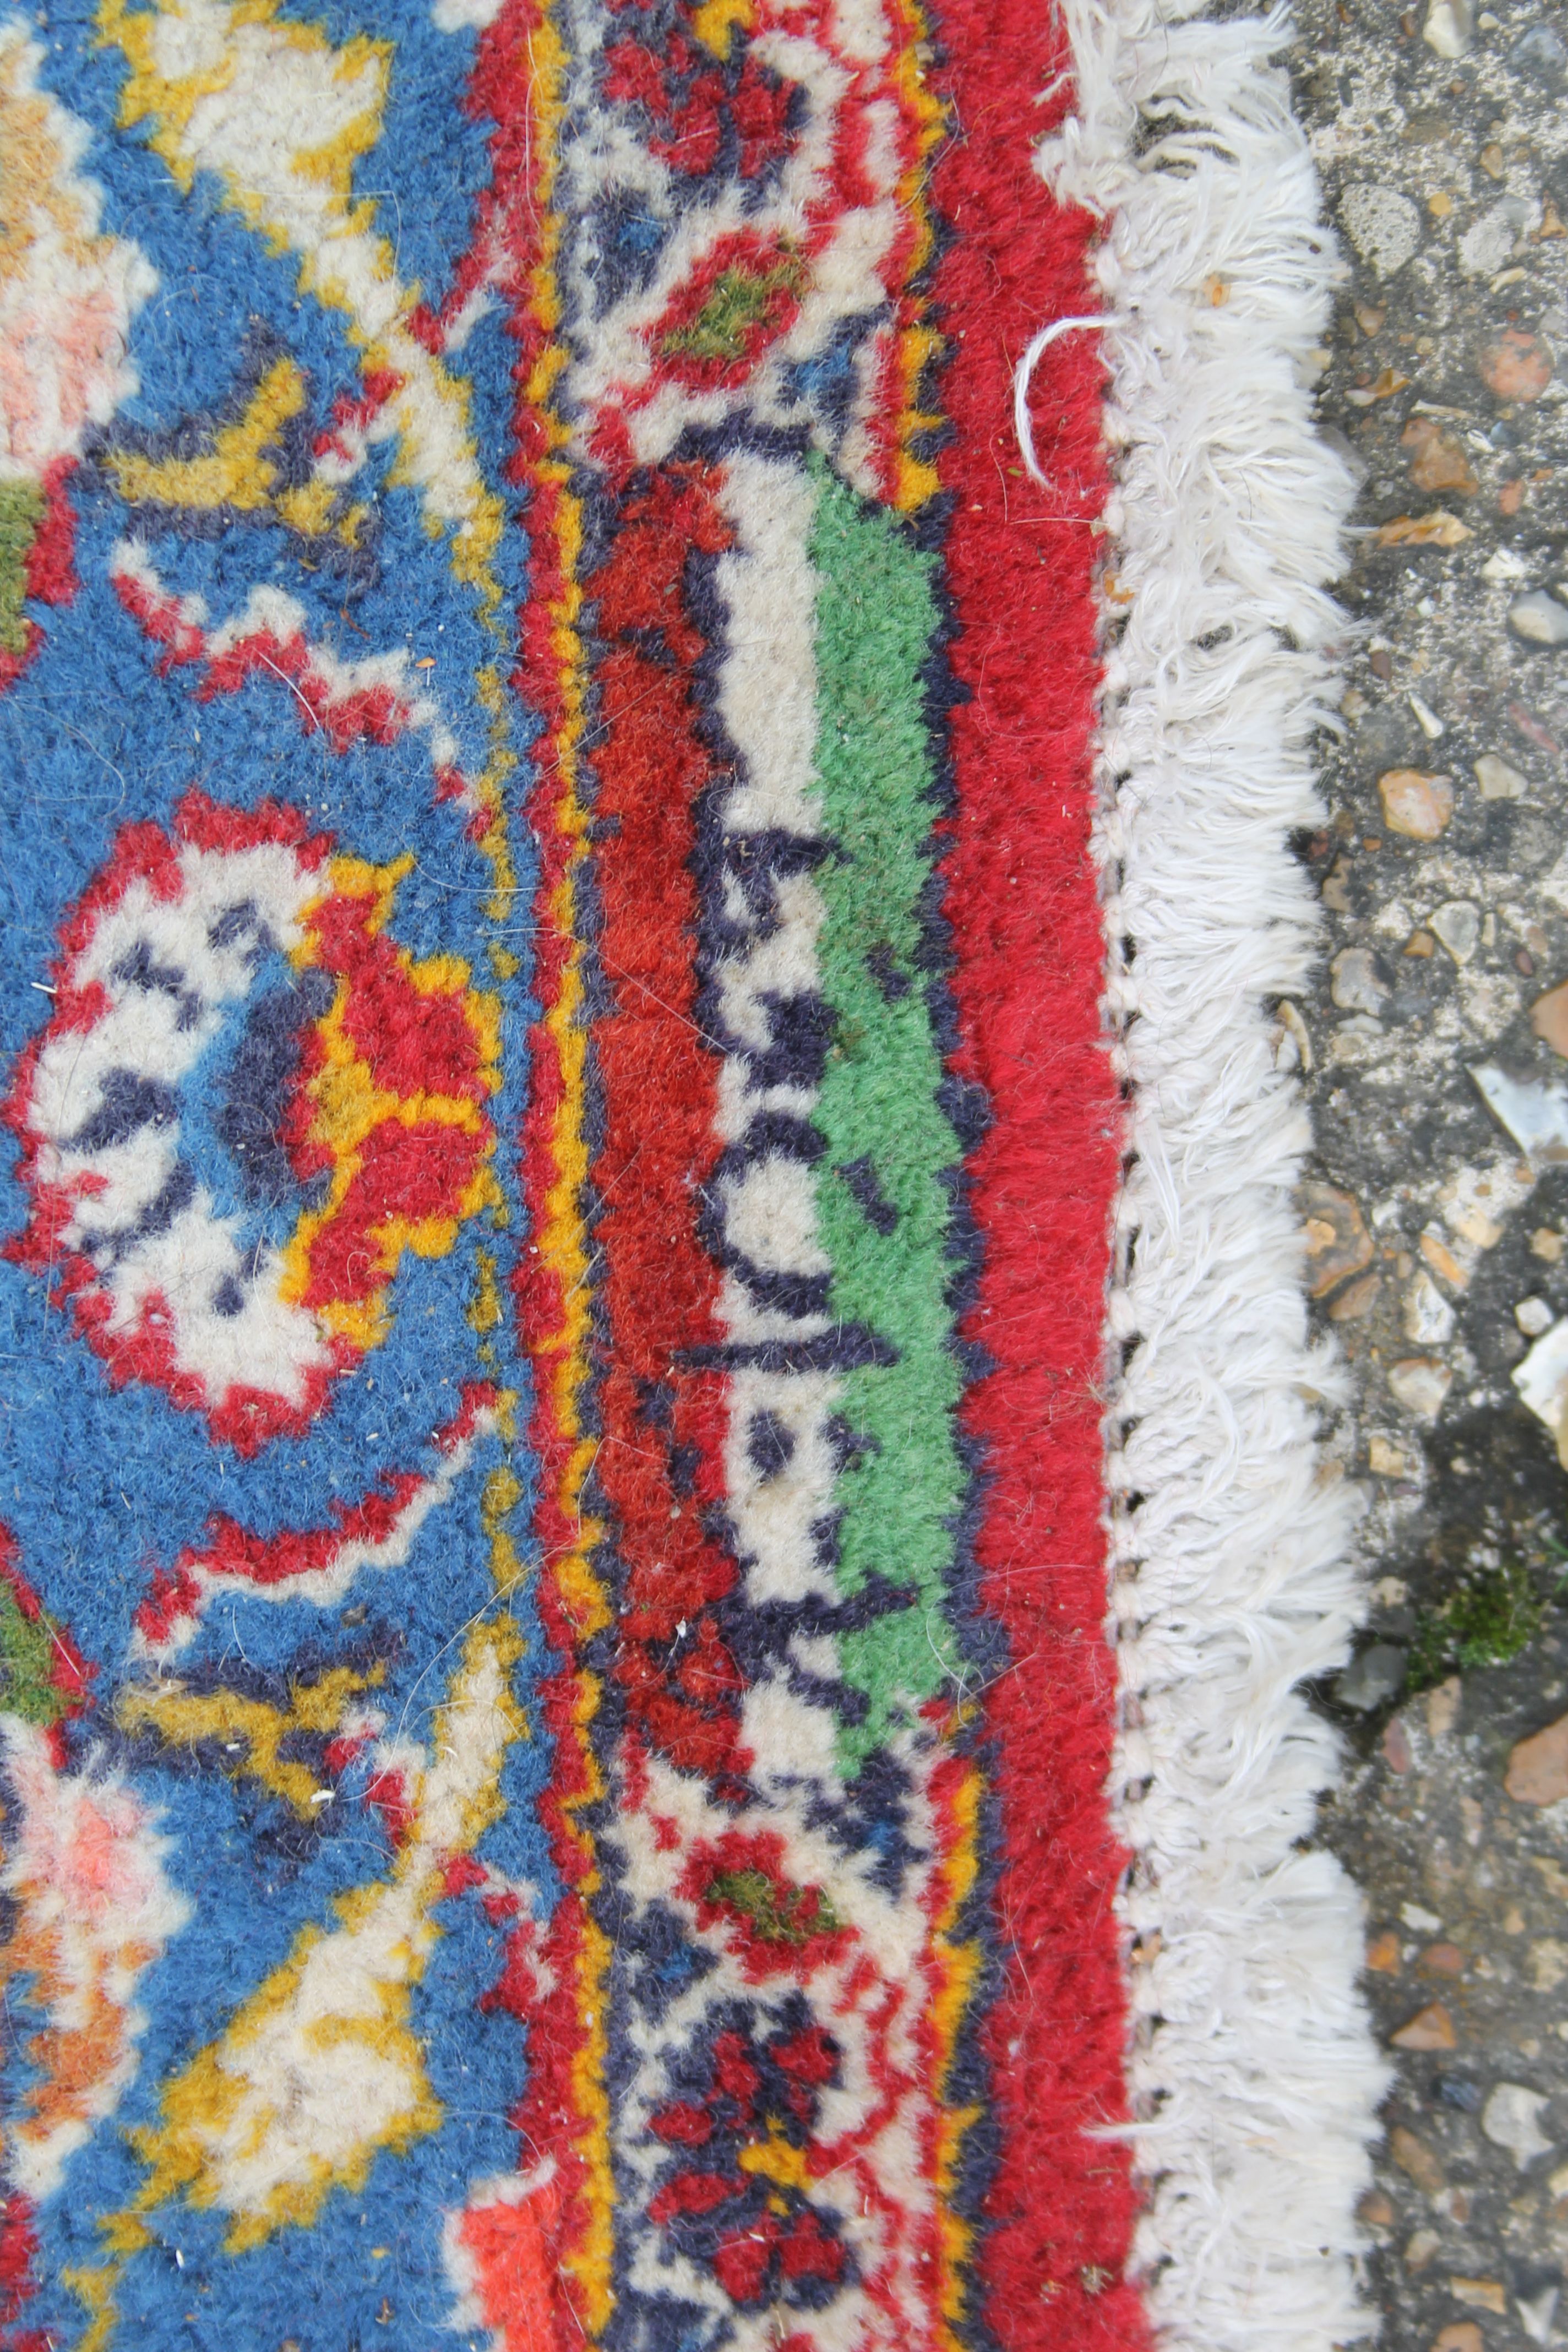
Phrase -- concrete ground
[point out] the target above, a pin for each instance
(1437, 1208)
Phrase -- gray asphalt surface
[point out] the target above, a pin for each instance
(1436, 1215)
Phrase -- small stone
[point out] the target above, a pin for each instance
(1462, 2335)
(1436, 462)
(1545, 1243)
(1511, 2119)
(1335, 894)
(1533, 1113)
(1458, 923)
(1440, 204)
(1395, 1744)
(1429, 1318)
(1416, 2160)
(1516, 366)
(1535, 2311)
(1449, 28)
(1481, 2295)
(1540, 54)
(1541, 1379)
(1375, 2212)
(1354, 983)
(1369, 317)
(1355, 1041)
(1420, 2249)
(1293, 1037)
(1437, 529)
(1533, 1317)
(1420, 1383)
(1426, 718)
(1538, 1767)
(1430, 2029)
(1546, 1964)
(1376, 1675)
(1443, 1707)
(1356, 1299)
(1416, 1915)
(1442, 1261)
(1383, 385)
(1386, 1461)
(1383, 1953)
(1488, 242)
(1462, 1211)
(1530, 728)
(1491, 162)
(1338, 1243)
(1497, 781)
(1418, 806)
(1420, 943)
(1549, 1019)
(1538, 619)
(1442, 1960)
(1383, 226)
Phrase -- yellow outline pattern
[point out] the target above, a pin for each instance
(560, 1236)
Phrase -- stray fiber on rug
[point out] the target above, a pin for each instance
(593, 1747)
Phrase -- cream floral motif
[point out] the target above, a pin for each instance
(281, 118)
(85, 1866)
(68, 293)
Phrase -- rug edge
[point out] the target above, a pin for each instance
(1253, 2073)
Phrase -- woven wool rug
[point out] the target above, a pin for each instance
(659, 1503)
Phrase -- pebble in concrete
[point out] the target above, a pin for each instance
(1511, 2119)
(1338, 1243)
(1488, 245)
(1449, 28)
(1540, 54)
(1458, 923)
(1356, 986)
(1429, 1318)
(1430, 2029)
(1538, 619)
(1418, 806)
(1383, 226)
(1420, 1383)
(1498, 780)
(1376, 1676)
(1549, 1019)
(1538, 1767)
(1516, 366)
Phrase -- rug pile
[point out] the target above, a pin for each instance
(659, 1494)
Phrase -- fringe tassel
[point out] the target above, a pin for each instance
(1253, 2074)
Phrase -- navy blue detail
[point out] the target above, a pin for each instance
(770, 1444)
(253, 1097)
(865, 1186)
(126, 1103)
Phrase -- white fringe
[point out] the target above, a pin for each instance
(1253, 2073)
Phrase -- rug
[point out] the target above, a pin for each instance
(660, 1506)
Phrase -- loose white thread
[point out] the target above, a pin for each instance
(1022, 423)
